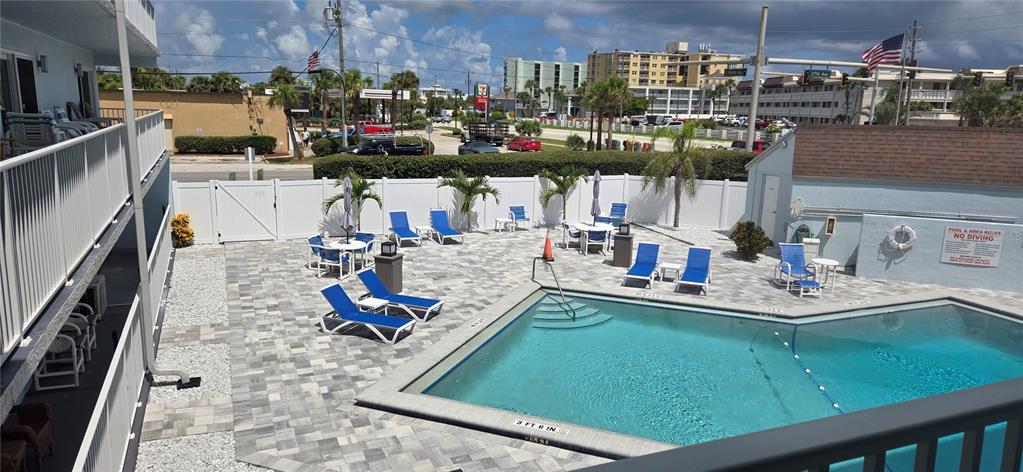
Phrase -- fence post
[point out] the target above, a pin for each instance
(723, 213)
(625, 188)
(277, 213)
(536, 199)
(214, 217)
(383, 208)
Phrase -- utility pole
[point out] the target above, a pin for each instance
(380, 103)
(336, 13)
(758, 62)
(912, 62)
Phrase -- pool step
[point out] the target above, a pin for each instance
(551, 300)
(569, 324)
(559, 308)
(580, 312)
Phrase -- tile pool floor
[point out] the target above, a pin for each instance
(290, 401)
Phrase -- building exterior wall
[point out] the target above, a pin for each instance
(554, 74)
(653, 69)
(777, 161)
(862, 197)
(59, 84)
(822, 103)
(922, 263)
(209, 114)
(677, 101)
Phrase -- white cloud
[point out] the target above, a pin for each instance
(199, 27)
(261, 33)
(558, 24)
(965, 50)
(294, 44)
(560, 54)
(465, 49)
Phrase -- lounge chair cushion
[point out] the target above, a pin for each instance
(694, 276)
(641, 270)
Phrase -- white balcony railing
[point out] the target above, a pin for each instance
(56, 204)
(106, 439)
(933, 95)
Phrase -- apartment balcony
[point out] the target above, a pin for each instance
(935, 95)
(90, 24)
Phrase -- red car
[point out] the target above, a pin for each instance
(523, 143)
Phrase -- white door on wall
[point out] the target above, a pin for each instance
(246, 210)
(769, 211)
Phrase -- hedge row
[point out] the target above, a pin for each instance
(726, 164)
(225, 144)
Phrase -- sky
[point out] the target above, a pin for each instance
(442, 40)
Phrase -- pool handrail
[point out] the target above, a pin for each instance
(563, 301)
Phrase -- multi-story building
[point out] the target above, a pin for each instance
(545, 75)
(83, 225)
(826, 101)
(657, 69)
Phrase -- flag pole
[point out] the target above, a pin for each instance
(902, 73)
(873, 95)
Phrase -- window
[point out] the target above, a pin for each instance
(557, 75)
(26, 72)
(536, 73)
(7, 97)
(575, 78)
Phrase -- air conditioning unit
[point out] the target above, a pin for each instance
(96, 295)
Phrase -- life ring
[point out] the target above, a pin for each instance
(903, 232)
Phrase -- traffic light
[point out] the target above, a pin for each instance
(912, 75)
(845, 78)
(1010, 76)
(978, 78)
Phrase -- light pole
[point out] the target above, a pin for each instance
(758, 62)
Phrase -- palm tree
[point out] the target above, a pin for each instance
(284, 97)
(562, 184)
(323, 82)
(595, 97)
(678, 164)
(560, 98)
(470, 188)
(362, 190)
(616, 92)
(550, 96)
(354, 84)
(401, 81)
(719, 90)
(281, 75)
(522, 97)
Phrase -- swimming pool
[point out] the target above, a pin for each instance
(684, 376)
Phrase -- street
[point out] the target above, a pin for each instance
(562, 134)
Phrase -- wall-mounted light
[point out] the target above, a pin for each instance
(41, 63)
(78, 68)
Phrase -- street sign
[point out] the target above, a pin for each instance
(735, 71)
(429, 129)
(481, 103)
(817, 74)
(382, 94)
(483, 90)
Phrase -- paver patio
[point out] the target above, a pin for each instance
(293, 387)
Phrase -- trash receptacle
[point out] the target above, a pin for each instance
(614, 144)
(589, 145)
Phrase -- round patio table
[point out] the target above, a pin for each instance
(353, 246)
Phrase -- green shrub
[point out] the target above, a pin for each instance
(529, 128)
(750, 240)
(498, 115)
(575, 142)
(225, 144)
(728, 164)
(494, 165)
(325, 146)
(708, 124)
(334, 122)
(413, 140)
(417, 123)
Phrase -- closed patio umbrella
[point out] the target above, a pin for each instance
(595, 206)
(348, 218)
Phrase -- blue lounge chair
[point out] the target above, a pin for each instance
(441, 228)
(408, 303)
(697, 271)
(348, 314)
(617, 215)
(793, 266)
(518, 214)
(325, 257)
(646, 264)
(400, 230)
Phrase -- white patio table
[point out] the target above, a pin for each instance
(585, 228)
(353, 247)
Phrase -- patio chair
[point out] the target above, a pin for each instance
(64, 358)
(646, 264)
(442, 229)
(325, 257)
(569, 234)
(86, 114)
(697, 271)
(348, 314)
(410, 304)
(793, 266)
(596, 238)
(367, 238)
(34, 425)
(31, 131)
(517, 213)
(617, 215)
(400, 230)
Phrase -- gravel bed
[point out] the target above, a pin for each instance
(212, 362)
(213, 452)
(198, 293)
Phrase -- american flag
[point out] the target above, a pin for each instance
(314, 61)
(888, 51)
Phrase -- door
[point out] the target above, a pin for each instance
(769, 206)
(246, 210)
(27, 84)
(85, 92)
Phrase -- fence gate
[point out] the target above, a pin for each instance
(246, 210)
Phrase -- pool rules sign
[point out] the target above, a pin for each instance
(972, 246)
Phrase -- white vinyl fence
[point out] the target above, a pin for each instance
(224, 211)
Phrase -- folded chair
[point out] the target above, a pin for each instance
(697, 271)
(646, 264)
(400, 230)
(347, 315)
(409, 304)
(441, 227)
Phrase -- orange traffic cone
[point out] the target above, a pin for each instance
(548, 253)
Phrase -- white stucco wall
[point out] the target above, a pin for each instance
(59, 84)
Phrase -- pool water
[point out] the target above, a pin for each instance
(686, 377)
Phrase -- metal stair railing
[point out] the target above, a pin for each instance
(563, 301)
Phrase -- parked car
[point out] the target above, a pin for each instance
(492, 133)
(675, 125)
(523, 143)
(758, 146)
(441, 119)
(376, 146)
(477, 147)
